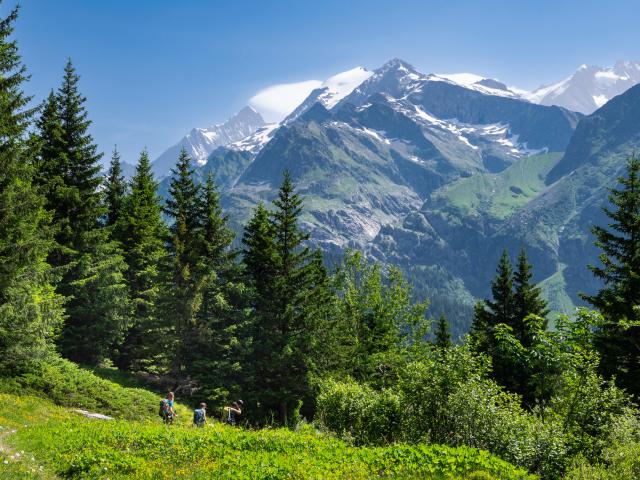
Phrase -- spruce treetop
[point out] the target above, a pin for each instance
(16, 117)
(115, 189)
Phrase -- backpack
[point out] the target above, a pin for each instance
(198, 416)
(164, 411)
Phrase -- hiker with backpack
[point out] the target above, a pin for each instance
(200, 415)
(167, 412)
(233, 411)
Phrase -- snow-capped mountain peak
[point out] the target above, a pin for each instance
(200, 142)
(589, 88)
(258, 139)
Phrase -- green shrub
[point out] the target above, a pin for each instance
(446, 400)
(360, 413)
(620, 459)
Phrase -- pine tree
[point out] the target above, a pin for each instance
(91, 265)
(283, 326)
(509, 329)
(443, 333)
(527, 299)
(144, 234)
(619, 299)
(214, 353)
(184, 295)
(115, 190)
(30, 311)
(501, 309)
(80, 165)
(51, 168)
(502, 306)
(259, 256)
(489, 314)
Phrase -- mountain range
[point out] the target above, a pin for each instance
(437, 174)
(586, 90)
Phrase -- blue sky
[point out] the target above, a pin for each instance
(153, 69)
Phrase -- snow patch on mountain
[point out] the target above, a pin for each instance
(258, 139)
(341, 85)
(462, 78)
(486, 85)
(331, 91)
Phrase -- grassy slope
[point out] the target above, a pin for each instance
(58, 443)
(499, 195)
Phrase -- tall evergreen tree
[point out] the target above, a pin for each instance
(619, 299)
(115, 190)
(499, 310)
(184, 207)
(30, 311)
(214, 353)
(259, 256)
(80, 165)
(489, 314)
(51, 168)
(527, 299)
(509, 329)
(443, 333)
(144, 235)
(283, 303)
(91, 265)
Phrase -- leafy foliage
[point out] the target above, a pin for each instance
(376, 316)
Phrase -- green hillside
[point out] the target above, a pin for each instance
(39, 439)
(499, 195)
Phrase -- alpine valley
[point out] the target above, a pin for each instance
(437, 174)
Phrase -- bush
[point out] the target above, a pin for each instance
(467, 409)
(359, 413)
(446, 400)
(590, 408)
(620, 460)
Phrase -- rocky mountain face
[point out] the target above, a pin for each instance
(200, 142)
(438, 175)
(589, 88)
(544, 203)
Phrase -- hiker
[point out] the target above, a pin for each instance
(200, 415)
(233, 411)
(167, 412)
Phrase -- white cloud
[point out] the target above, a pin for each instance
(277, 101)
